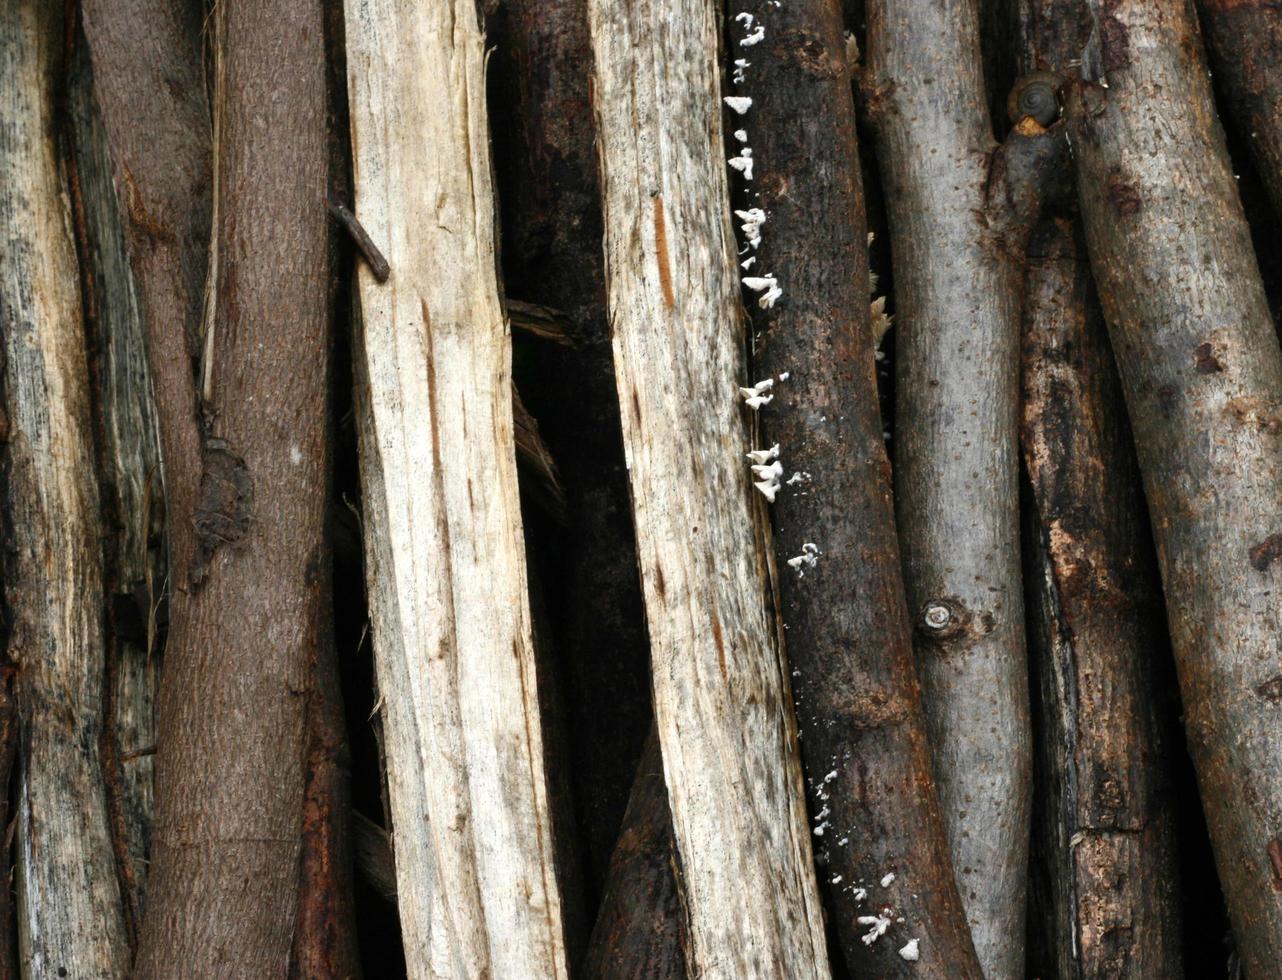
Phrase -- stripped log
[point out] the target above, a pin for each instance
(1106, 829)
(1202, 374)
(1244, 42)
(70, 915)
(880, 835)
(639, 932)
(451, 617)
(131, 488)
(960, 212)
(721, 695)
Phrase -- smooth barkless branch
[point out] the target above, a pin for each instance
(1244, 41)
(720, 691)
(70, 915)
(476, 875)
(960, 212)
(879, 833)
(1202, 373)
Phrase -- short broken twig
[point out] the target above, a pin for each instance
(369, 251)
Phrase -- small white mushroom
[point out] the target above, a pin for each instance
(764, 455)
(910, 951)
(738, 103)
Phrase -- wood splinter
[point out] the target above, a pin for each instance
(378, 266)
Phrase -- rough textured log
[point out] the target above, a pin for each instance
(720, 687)
(1202, 374)
(1107, 821)
(639, 928)
(452, 623)
(70, 915)
(229, 778)
(131, 488)
(1244, 42)
(873, 802)
(960, 211)
(552, 255)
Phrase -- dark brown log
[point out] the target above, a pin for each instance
(1106, 829)
(551, 218)
(1244, 42)
(879, 835)
(639, 931)
(960, 212)
(246, 479)
(1202, 374)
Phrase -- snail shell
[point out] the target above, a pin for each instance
(1035, 95)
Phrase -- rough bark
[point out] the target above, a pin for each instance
(720, 687)
(1244, 42)
(131, 488)
(873, 802)
(960, 212)
(230, 762)
(452, 626)
(552, 255)
(70, 915)
(1202, 372)
(1107, 822)
(639, 928)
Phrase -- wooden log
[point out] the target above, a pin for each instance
(552, 254)
(451, 616)
(130, 484)
(1244, 43)
(1202, 374)
(879, 832)
(70, 914)
(720, 686)
(1107, 822)
(230, 777)
(639, 932)
(960, 210)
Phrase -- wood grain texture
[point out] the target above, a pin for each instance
(849, 634)
(1106, 829)
(130, 482)
(1202, 375)
(452, 629)
(960, 210)
(722, 703)
(70, 916)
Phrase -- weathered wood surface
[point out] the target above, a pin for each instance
(1202, 374)
(722, 703)
(873, 803)
(70, 915)
(130, 483)
(452, 626)
(960, 211)
(1106, 825)
(1244, 42)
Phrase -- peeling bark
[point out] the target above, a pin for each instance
(1244, 42)
(70, 913)
(1107, 821)
(1202, 372)
(639, 932)
(960, 212)
(720, 687)
(476, 872)
(849, 637)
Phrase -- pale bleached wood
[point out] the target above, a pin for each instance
(720, 689)
(451, 617)
(70, 920)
